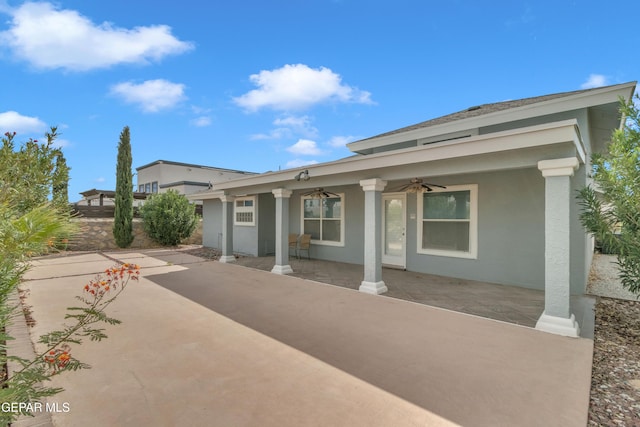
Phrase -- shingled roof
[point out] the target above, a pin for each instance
(480, 110)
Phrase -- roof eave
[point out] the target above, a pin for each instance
(605, 95)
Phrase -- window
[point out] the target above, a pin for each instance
(323, 218)
(154, 187)
(147, 188)
(447, 221)
(245, 211)
(141, 188)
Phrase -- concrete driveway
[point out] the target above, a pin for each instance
(211, 344)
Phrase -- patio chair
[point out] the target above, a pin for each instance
(304, 244)
(293, 244)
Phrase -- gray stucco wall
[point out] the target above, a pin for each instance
(266, 224)
(247, 240)
(212, 223)
(353, 251)
(510, 231)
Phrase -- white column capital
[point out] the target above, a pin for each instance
(374, 184)
(227, 198)
(281, 193)
(558, 167)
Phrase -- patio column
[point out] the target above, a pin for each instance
(282, 231)
(227, 229)
(372, 283)
(557, 317)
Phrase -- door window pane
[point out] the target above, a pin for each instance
(393, 227)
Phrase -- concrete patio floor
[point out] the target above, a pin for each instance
(510, 304)
(206, 343)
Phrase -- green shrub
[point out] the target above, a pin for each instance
(168, 218)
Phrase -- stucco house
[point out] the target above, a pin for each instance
(487, 193)
(185, 178)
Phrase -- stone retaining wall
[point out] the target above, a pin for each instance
(97, 234)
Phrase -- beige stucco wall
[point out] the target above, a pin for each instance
(97, 234)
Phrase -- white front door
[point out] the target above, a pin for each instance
(394, 229)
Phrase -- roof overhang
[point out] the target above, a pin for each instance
(519, 148)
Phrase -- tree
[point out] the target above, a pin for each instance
(123, 217)
(168, 218)
(611, 210)
(60, 182)
(26, 177)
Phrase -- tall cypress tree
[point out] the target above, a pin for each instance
(60, 183)
(123, 218)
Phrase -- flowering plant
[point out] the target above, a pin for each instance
(25, 385)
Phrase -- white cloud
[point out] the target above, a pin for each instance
(595, 80)
(202, 121)
(289, 126)
(151, 95)
(296, 163)
(296, 87)
(341, 141)
(11, 121)
(305, 147)
(278, 133)
(298, 125)
(49, 37)
(100, 179)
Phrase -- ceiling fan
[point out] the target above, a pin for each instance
(320, 193)
(417, 186)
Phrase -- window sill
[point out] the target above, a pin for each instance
(449, 254)
(327, 243)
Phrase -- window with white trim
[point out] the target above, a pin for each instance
(323, 218)
(154, 187)
(245, 210)
(448, 221)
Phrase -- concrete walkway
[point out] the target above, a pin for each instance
(250, 348)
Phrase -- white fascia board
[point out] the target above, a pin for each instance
(205, 195)
(552, 106)
(533, 136)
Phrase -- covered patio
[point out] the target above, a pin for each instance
(511, 304)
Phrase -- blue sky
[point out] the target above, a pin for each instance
(263, 85)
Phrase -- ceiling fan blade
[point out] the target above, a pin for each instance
(436, 185)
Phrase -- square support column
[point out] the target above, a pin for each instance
(557, 317)
(227, 229)
(372, 283)
(282, 231)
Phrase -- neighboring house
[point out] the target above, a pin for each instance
(185, 178)
(95, 197)
(502, 208)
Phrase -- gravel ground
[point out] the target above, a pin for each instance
(615, 378)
